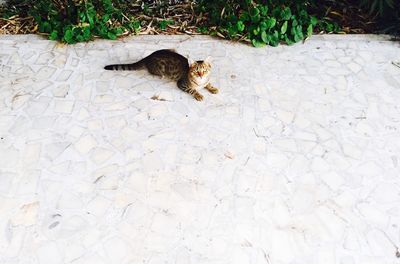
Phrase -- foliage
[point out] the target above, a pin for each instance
(260, 22)
(74, 21)
(264, 22)
(164, 23)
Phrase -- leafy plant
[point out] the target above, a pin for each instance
(263, 22)
(74, 21)
(164, 23)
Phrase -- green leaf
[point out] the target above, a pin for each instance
(264, 37)
(256, 30)
(133, 25)
(68, 36)
(263, 25)
(240, 26)
(286, 13)
(119, 30)
(45, 27)
(298, 34)
(256, 18)
(309, 30)
(80, 38)
(82, 17)
(86, 33)
(105, 18)
(244, 17)
(329, 27)
(254, 11)
(276, 35)
(90, 18)
(53, 35)
(271, 22)
(102, 31)
(111, 35)
(288, 41)
(284, 27)
(163, 24)
(76, 31)
(263, 9)
(254, 14)
(313, 21)
(232, 30)
(274, 41)
(258, 44)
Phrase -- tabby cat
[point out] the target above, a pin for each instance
(169, 64)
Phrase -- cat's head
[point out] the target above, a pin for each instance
(200, 70)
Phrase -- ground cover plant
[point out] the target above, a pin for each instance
(74, 21)
(265, 22)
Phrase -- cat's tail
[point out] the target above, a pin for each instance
(126, 67)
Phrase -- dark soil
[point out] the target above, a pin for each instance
(349, 16)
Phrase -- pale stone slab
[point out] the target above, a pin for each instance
(85, 144)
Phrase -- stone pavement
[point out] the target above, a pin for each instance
(296, 160)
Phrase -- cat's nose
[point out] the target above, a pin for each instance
(200, 74)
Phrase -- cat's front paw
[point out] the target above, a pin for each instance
(198, 97)
(212, 89)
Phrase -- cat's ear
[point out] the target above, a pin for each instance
(191, 61)
(208, 59)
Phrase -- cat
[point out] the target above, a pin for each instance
(190, 75)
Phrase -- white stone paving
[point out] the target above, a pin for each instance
(296, 160)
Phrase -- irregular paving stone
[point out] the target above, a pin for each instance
(64, 76)
(103, 86)
(15, 59)
(95, 124)
(83, 94)
(83, 114)
(98, 206)
(19, 99)
(53, 150)
(45, 58)
(354, 67)
(103, 99)
(64, 107)
(45, 73)
(49, 253)
(36, 108)
(61, 90)
(6, 181)
(116, 106)
(26, 215)
(100, 155)
(152, 162)
(31, 154)
(85, 144)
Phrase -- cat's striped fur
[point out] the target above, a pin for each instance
(171, 65)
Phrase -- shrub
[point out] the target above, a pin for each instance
(263, 22)
(79, 20)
